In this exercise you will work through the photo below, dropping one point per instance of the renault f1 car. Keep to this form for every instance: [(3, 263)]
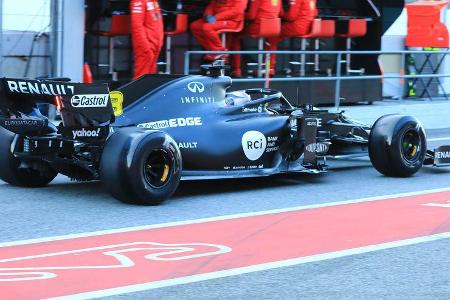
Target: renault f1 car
[(143, 138)]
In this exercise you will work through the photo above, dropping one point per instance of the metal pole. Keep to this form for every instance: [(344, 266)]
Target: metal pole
[(260, 56), (168, 54), (303, 58), (268, 66), (111, 55), (337, 97), (186, 62), (57, 37), (402, 72)]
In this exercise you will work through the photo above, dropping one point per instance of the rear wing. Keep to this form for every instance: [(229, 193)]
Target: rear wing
[(82, 106)]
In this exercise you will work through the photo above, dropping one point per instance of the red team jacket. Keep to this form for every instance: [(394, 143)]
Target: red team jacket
[(300, 10), (225, 10), (263, 9), (147, 35)]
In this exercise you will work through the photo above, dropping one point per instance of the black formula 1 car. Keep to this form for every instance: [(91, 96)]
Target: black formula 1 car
[(142, 138)]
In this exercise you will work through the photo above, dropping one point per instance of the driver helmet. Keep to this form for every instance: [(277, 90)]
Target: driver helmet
[(237, 98)]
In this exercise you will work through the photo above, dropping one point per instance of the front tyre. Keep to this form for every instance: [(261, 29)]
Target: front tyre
[(397, 145), (140, 166), (14, 172)]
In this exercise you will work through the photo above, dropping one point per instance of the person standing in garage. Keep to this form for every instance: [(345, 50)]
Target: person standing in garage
[(257, 10), (218, 15), (147, 34), (297, 21)]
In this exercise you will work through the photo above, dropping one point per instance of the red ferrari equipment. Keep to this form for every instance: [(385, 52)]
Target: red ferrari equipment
[(218, 15), (425, 28), (147, 33)]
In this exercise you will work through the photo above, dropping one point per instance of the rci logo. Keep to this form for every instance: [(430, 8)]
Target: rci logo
[(254, 144), (196, 87)]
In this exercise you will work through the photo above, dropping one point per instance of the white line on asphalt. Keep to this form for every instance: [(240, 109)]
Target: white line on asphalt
[(439, 139), (255, 268), (218, 218)]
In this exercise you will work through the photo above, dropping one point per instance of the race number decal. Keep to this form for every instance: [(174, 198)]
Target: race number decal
[(117, 102)]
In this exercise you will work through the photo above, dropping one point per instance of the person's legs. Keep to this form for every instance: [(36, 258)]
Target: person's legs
[(197, 31), (207, 35), (235, 44), (272, 45), (156, 46), (211, 33), (141, 62)]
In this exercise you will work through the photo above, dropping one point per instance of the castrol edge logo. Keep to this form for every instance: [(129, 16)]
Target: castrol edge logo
[(83, 101)]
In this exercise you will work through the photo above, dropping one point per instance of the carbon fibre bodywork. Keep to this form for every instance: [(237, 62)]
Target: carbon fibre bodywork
[(217, 139)]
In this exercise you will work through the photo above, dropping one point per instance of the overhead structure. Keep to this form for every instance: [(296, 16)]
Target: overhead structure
[(68, 38)]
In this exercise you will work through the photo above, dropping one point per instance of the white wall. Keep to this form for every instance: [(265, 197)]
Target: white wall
[(26, 15)]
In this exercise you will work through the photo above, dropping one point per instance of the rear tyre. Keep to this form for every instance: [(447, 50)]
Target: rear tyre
[(397, 145), (11, 170), (140, 166)]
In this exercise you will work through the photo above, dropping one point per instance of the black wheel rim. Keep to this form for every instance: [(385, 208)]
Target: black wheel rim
[(411, 146), (157, 168)]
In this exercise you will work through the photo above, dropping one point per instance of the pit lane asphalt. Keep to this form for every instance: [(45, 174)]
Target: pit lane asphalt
[(412, 272)]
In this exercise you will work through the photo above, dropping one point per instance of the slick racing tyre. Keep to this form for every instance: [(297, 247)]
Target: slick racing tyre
[(15, 173), (140, 166), (397, 145)]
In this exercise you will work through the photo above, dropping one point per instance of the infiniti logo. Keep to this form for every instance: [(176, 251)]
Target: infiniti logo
[(196, 87)]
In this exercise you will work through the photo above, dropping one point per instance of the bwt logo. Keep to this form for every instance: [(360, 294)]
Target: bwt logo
[(196, 87), (254, 144)]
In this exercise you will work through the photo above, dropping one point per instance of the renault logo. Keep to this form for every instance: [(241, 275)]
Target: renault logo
[(196, 87)]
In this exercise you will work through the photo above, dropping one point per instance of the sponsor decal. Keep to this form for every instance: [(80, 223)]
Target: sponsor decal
[(254, 144), (317, 122), (317, 148), (39, 88), (117, 102), (196, 87), (272, 144), (85, 101), (86, 133), (442, 155), (239, 168), (22, 122), (254, 109), (136, 7), (172, 123), (227, 168), (197, 100), (150, 6), (187, 145)]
